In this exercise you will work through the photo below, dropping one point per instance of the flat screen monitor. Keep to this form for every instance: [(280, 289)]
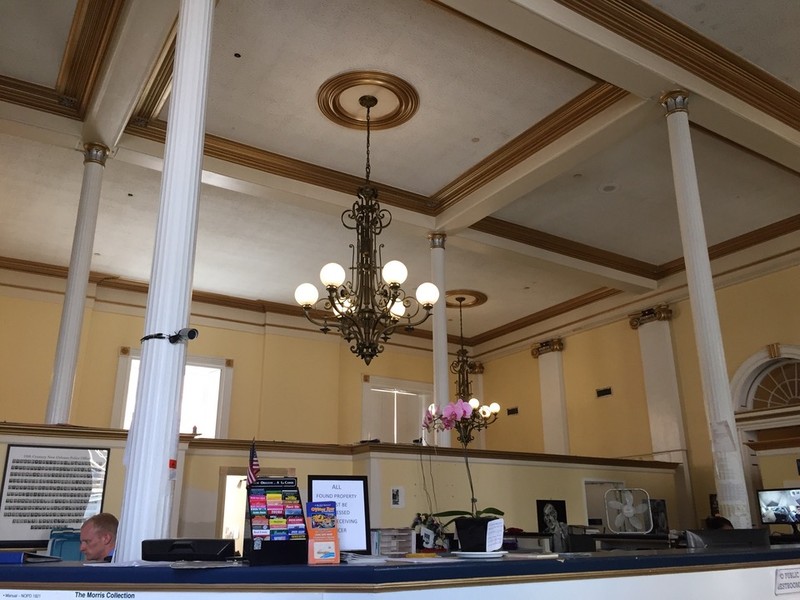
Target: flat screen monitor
[(174, 550), (727, 538), (779, 505)]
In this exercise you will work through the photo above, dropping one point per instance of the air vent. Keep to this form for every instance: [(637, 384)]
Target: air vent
[(606, 391), (512, 411)]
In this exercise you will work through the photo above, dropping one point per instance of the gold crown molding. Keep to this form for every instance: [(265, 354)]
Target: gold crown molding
[(552, 243), (115, 282), (668, 38), (37, 97), (547, 346), (660, 312), (92, 27), (93, 24), (261, 160), (330, 93), (741, 242), (542, 315), (580, 109), (159, 85)]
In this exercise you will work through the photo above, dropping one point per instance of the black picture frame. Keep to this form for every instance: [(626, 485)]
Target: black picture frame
[(56, 487), (560, 507), (658, 509), (351, 494)]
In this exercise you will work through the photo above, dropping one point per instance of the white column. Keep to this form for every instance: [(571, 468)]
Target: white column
[(441, 367), (728, 468), (69, 333), (555, 425), (663, 400), (151, 453)]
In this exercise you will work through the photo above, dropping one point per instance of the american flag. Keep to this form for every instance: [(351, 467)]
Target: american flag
[(253, 468)]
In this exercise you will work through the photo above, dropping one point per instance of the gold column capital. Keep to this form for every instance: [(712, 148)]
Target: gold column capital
[(659, 312), (475, 367), (675, 101), (437, 239), (554, 345), (96, 153)]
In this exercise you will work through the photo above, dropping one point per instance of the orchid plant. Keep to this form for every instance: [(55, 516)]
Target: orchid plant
[(465, 418)]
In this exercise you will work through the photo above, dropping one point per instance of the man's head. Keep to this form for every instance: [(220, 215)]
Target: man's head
[(99, 536)]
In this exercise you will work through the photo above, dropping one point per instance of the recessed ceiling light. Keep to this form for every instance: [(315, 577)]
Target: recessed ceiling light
[(607, 188)]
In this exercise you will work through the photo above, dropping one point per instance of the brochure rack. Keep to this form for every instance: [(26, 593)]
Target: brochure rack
[(277, 524)]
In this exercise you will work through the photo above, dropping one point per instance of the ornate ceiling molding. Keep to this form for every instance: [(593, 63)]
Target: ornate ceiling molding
[(568, 117), (648, 27), (89, 37), (338, 97)]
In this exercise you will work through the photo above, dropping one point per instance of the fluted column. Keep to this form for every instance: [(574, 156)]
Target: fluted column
[(69, 333), (441, 367), (663, 398), (151, 452), (728, 468), (555, 425)]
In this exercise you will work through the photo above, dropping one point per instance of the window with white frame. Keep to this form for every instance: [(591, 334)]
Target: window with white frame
[(392, 409), (206, 394)]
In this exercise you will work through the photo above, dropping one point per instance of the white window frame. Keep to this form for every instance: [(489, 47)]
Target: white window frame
[(422, 390), (225, 366)]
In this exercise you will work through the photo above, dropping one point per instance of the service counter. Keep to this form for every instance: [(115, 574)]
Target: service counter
[(747, 574)]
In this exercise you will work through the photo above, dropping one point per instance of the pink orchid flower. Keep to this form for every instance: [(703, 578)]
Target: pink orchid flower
[(457, 410)]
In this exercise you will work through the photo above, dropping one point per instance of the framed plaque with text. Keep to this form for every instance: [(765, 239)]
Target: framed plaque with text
[(49, 487)]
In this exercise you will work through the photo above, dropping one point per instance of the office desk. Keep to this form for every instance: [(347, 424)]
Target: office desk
[(746, 574)]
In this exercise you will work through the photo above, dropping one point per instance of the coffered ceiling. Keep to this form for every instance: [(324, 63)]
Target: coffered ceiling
[(537, 142)]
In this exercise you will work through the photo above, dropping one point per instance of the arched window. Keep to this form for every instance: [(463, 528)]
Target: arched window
[(776, 385)]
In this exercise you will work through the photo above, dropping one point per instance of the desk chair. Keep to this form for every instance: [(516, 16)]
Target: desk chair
[(66, 544)]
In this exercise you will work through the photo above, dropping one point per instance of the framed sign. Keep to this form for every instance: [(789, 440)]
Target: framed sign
[(352, 508), (48, 487)]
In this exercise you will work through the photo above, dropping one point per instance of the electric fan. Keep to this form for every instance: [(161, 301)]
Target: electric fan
[(628, 511)]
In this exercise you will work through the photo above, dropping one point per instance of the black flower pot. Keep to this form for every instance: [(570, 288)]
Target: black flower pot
[(471, 532)]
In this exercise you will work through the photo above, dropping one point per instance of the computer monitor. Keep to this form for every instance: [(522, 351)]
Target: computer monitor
[(727, 538), (174, 550), (779, 506)]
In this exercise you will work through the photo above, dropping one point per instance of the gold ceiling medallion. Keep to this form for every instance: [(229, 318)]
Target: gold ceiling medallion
[(338, 99), (469, 298)]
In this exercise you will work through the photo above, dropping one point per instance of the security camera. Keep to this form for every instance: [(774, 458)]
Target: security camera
[(183, 335)]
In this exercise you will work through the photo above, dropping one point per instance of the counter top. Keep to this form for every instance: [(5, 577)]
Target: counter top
[(513, 567)]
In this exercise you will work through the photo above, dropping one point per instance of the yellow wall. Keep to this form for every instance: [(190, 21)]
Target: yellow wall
[(615, 425), (273, 396), (28, 334), (513, 381)]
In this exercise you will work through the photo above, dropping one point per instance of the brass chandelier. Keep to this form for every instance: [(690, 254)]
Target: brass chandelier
[(483, 415), (368, 308)]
